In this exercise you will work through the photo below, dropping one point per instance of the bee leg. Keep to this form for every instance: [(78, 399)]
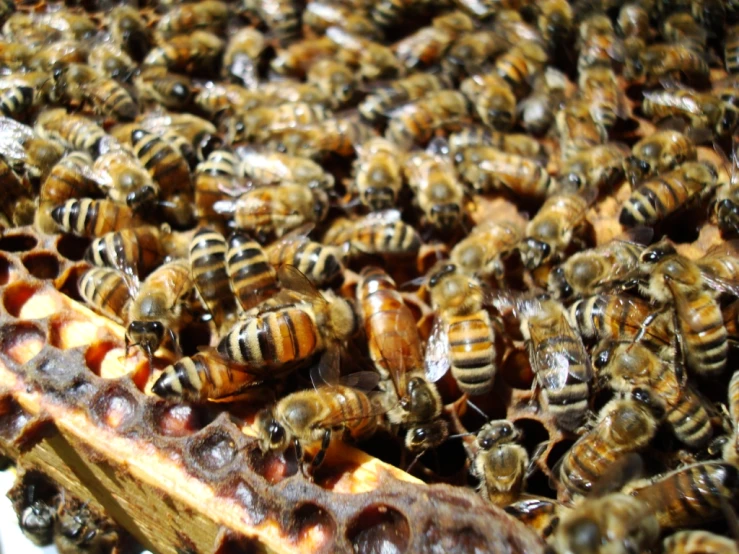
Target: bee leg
[(299, 456), (680, 354), (318, 460), (647, 322)]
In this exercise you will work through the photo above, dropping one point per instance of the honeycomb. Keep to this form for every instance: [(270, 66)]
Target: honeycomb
[(71, 410)]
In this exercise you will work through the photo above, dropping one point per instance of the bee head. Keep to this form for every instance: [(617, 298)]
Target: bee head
[(272, 435), (421, 438), (558, 284), (534, 252), (146, 334)]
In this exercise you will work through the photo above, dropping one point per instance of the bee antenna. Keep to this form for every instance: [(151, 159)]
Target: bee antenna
[(415, 460), (478, 410), (460, 436)]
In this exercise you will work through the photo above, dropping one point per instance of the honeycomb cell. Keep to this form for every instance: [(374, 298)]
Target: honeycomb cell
[(176, 420), (72, 247), (7, 270), (67, 282), (96, 353), (17, 243), (115, 407), (272, 466), (21, 341), (17, 295), (66, 331), (13, 418), (557, 451), (534, 433), (213, 453), (254, 503), (238, 545), (379, 529), (42, 265), (313, 526)]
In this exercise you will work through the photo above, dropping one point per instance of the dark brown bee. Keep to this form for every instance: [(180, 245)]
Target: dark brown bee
[(129, 31), (416, 122), (657, 153), (209, 274), (253, 278), (135, 251), (319, 263), (167, 89), (15, 101), (93, 218), (383, 233)]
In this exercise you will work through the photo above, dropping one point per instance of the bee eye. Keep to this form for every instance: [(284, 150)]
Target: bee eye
[(644, 166), (276, 433), (486, 443), (601, 360)]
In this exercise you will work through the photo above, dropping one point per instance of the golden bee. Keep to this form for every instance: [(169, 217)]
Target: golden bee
[(731, 49), (107, 291), (125, 180), (701, 110), (209, 274), (214, 178), (253, 278), (512, 143), (520, 64), (426, 46), (439, 194), (577, 129), (136, 251), (335, 136), (488, 169), (482, 252), (296, 59), (242, 57), (559, 361), (600, 89), (415, 123), (659, 61), (598, 45), (92, 218), (681, 27), (492, 99), (280, 16), (698, 542), (470, 52), (596, 168), (624, 425), (395, 348), (129, 31), (71, 177), (73, 26), (725, 208), (463, 337), (28, 154), (264, 121), (657, 153), (378, 174), (500, 463), (74, 131), (319, 263), (540, 514), (372, 60), (319, 16), (208, 15), (110, 60), (383, 233), (335, 79), (275, 167), (170, 90), (633, 21), (380, 102), (195, 52)]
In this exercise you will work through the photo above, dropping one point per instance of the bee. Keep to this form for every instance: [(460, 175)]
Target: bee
[(382, 101), (242, 56), (481, 253), (426, 46), (470, 52), (559, 360), (378, 174), (537, 111), (37, 522), (26, 153), (275, 209), (416, 122), (335, 136), (73, 131), (136, 251), (209, 274), (26, 28), (125, 180), (372, 59), (591, 270), (58, 55), (624, 425), (107, 291), (633, 21), (577, 130), (731, 49), (439, 194), (291, 333), (205, 376), (172, 91), (702, 110), (320, 264), (488, 170), (555, 22), (213, 179), (191, 127), (552, 229), (382, 233), (657, 199), (598, 45), (281, 17), (492, 99), (165, 164), (659, 61), (658, 153), (92, 218), (596, 168), (18, 203), (319, 16), (520, 64), (633, 365), (262, 122), (196, 52), (600, 89), (698, 542), (296, 59), (77, 82), (731, 448), (294, 91), (682, 27), (335, 79), (725, 208), (14, 56), (540, 514), (253, 278), (275, 168), (111, 61), (690, 495), (208, 15), (511, 143), (673, 279), (615, 523), (129, 31), (16, 101), (462, 337), (501, 464), (73, 26), (70, 178), (396, 351), (76, 530)]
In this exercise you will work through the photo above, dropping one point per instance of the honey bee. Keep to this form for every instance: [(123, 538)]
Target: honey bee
[(281, 17), (624, 425), (731, 49), (615, 523), (209, 274), (462, 337), (555, 22), (242, 56), (71, 25), (129, 31), (77, 530), (591, 270), (426, 46), (416, 122), (559, 360), (335, 136), (260, 123), (165, 164), (172, 91), (537, 111), (208, 15), (71, 177), (18, 204), (92, 218), (657, 153), (275, 167), (439, 194), (488, 170), (382, 233), (633, 365), (481, 253), (135, 252), (725, 208), (204, 377), (511, 143), (703, 111), (335, 79), (73, 131), (191, 127), (77, 82), (596, 168), (621, 318), (253, 278), (294, 91), (107, 291), (290, 333), (552, 229), (275, 209), (577, 129), (319, 16), (26, 28), (37, 522), (111, 61), (396, 351), (378, 174), (58, 55), (659, 61), (681, 27), (16, 101), (501, 464), (656, 199), (633, 21), (320, 264), (379, 103), (296, 59), (698, 542), (212, 177), (599, 88), (598, 45), (690, 495), (540, 514), (28, 154), (195, 52), (125, 180), (731, 448), (372, 59), (520, 64), (492, 99)]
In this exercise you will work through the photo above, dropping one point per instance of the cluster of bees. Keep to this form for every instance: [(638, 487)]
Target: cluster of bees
[(280, 148)]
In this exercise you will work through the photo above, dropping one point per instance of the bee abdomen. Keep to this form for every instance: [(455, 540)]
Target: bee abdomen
[(472, 353), (689, 420), (106, 290)]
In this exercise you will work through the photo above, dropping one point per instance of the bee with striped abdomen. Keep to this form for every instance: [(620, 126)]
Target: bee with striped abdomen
[(253, 278), (657, 153), (209, 274)]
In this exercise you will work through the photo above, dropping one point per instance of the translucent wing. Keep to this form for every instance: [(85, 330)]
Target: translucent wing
[(390, 347), (12, 137), (290, 277), (328, 370), (437, 361), (378, 218)]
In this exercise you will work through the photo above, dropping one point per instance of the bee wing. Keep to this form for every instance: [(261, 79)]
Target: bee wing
[(296, 235), (375, 218), (728, 286), (436, 360), (343, 38), (12, 137), (553, 367), (640, 235), (361, 380), (626, 469), (328, 370), (290, 277), (390, 346)]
